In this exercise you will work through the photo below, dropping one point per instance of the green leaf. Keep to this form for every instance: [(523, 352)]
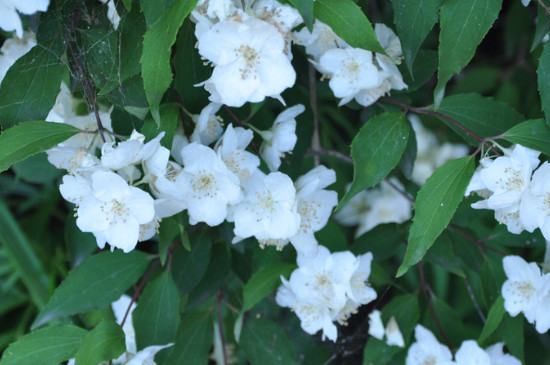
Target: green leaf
[(194, 339), (153, 9), (434, 207), (442, 254), (543, 23), (192, 265), (414, 19), (265, 343), (30, 138), (103, 343), (50, 345), (464, 24), (157, 317), (496, 313), (94, 284), (378, 352), (169, 119), (36, 169), (511, 331), (155, 59), (22, 256), (30, 87), (543, 78), (376, 150), (265, 281), (305, 8), (349, 22), (533, 134), (485, 117)]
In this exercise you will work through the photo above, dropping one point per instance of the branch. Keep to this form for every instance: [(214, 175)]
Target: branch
[(88, 88), (479, 243), (474, 300), (424, 111), (543, 5), (219, 299), (324, 152), (315, 142)]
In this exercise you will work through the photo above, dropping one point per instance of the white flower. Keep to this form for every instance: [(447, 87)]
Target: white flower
[(281, 137), (520, 289), (376, 327), (10, 20), (351, 70), (283, 16), (426, 349), (74, 160), (208, 126), (268, 210), (210, 186), (12, 49), (542, 316), (109, 208), (130, 152), (535, 204), (64, 111), (370, 208), (112, 14), (231, 149), (249, 60), (498, 357), (393, 334), (319, 41), (525, 2), (313, 318), (359, 290), (470, 353)]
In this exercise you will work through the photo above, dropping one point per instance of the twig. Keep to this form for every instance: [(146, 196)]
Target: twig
[(396, 188), (183, 116), (543, 5), (425, 111), (478, 243), (474, 300), (315, 141), (88, 89), (219, 299), (324, 152), (425, 290)]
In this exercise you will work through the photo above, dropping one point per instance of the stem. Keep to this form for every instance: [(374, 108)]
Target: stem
[(219, 299), (474, 300), (426, 289), (324, 152), (479, 243), (425, 111), (88, 88), (543, 5), (315, 140), (183, 114)]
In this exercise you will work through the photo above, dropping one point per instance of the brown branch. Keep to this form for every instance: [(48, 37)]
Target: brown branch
[(479, 243), (315, 140), (408, 108), (543, 5), (426, 290), (88, 88), (324, 152)]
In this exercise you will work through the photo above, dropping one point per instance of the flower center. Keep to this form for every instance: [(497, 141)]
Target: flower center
[(266, 201), (514, 181), (251, 58)]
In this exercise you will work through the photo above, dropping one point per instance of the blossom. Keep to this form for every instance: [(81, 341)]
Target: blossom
[(281, 137), (208, 126), (10, 20), (351, 70), (520, 289), (112, 14), (376, 327), (231, 149), (394, 337), (534, 209), (109, 208), (209, 185), (249, 60), (319, 41), (12, 49), (498, 357), (268, 209), (370, 208), (426, 349), (130, 152)]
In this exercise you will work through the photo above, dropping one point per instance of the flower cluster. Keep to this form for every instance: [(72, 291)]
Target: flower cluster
[(427, 350), (526, 290), (327, 288), (354, 72), (369, 208), (10, 20), (510, 188)]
